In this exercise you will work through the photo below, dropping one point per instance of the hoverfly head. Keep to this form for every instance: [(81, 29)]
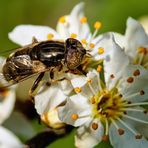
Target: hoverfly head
[(75, 53)]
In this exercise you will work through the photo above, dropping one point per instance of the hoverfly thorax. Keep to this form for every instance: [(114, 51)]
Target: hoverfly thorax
[(75, 53)]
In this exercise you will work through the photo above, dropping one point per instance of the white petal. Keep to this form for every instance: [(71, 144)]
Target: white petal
[(119, 39), (107, 42), (23, 34), (115, 61), (125, 140), (63, 30), (8, 139), (79, 81), (66, 87), (139, 84), (140, 127), (75, 105), (87, 137), (101, 41), (52, 120), (73, 24), (74, 17), (48, 98), (144, 22), (93, 76), (135, 37), (87, 90), (7, 105)]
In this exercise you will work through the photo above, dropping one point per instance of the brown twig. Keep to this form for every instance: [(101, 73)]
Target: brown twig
[(45, 138)]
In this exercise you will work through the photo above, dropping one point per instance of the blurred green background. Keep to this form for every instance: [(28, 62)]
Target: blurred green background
[(112, 13)]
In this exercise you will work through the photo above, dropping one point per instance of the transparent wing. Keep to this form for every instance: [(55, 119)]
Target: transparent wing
[(19, 69), (23, 62), (4, 83)]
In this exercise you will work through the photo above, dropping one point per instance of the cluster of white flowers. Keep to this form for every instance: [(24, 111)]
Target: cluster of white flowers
[(106, 103)]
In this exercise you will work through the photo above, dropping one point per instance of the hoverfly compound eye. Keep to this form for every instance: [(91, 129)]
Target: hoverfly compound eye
[(70, 42), (73, 43), (74, 53)]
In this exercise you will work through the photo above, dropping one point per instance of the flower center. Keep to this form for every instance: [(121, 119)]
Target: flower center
[(108, 105), (142, 57)]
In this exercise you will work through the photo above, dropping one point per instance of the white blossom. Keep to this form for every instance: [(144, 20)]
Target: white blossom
[(134, 42), (109, 109)]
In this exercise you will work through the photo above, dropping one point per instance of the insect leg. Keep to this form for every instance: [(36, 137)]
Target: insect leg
[(62, 79), (51, 74), (77, 71), (35, 85), (79, 68)]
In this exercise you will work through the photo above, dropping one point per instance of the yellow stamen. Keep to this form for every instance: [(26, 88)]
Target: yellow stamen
[(84, 41), (44, 117), (83, 20), (97, 25), (73, 35), (77, 89), (3, 92), (93, 100), (100, 50), (95, 126), (105, 138), (89, 80), (120, 131), (138, 136), (136, 72), (99, 68), (130, 79), (142, 92), (62, 19), (50, 36), (145, 111), (74, 116), (91, 45), (142, 50), (112, 76)]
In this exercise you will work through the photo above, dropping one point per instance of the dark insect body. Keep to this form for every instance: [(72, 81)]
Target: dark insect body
[(39, 57)]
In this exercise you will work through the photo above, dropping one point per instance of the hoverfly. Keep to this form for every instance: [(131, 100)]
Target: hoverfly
[(40, 57)]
